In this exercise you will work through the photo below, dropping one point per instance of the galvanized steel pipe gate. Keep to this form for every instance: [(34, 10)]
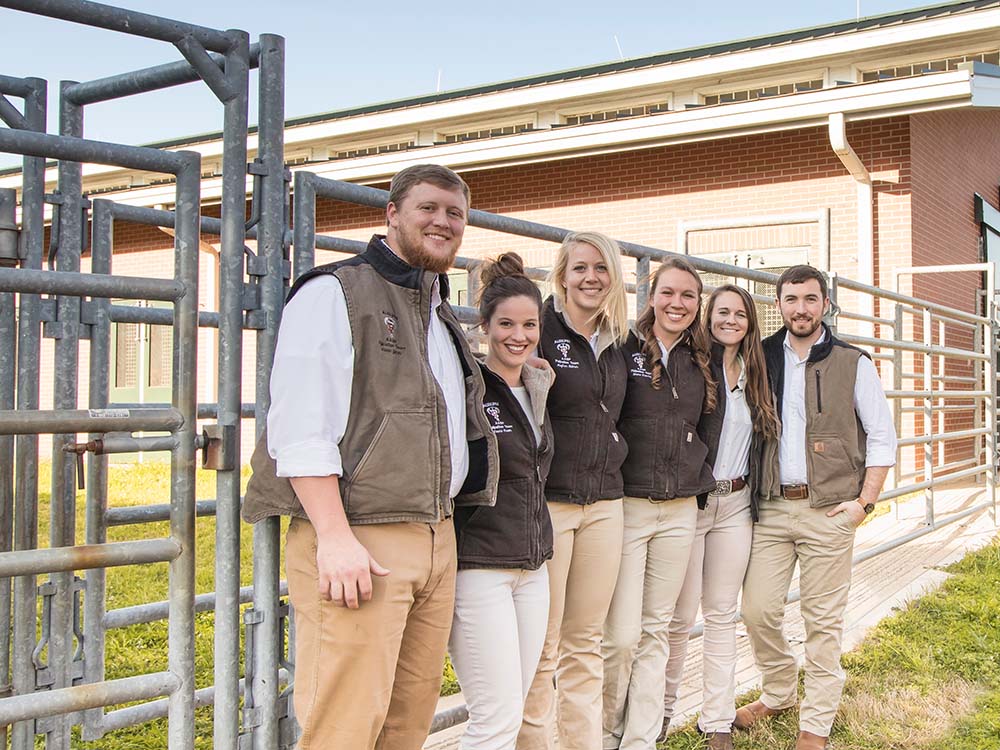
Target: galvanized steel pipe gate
[(57, 680)]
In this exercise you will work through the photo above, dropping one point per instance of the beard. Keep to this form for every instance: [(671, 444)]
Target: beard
[(803, 328), (420, 258), (411, 249)]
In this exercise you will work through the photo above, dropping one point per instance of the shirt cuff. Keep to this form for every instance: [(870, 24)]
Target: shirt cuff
[(313, 459), (880, 458)]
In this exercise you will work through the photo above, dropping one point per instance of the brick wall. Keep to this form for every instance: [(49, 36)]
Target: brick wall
[(645, 196)]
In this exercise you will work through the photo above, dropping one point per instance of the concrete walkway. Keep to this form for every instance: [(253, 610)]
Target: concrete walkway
[(881, 585)]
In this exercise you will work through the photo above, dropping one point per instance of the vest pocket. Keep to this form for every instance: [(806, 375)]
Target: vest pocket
[(691, 457), (832, 471), (395, 476), (570, 436), (499, 533), (640, 435)]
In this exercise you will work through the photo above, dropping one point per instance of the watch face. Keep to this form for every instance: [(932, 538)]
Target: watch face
[(869, 507)]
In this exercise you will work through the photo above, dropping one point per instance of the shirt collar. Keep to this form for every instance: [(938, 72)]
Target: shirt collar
[(817, 342)]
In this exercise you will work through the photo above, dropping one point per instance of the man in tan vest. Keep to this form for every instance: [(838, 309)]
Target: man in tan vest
[(818, 482), (376, 432)]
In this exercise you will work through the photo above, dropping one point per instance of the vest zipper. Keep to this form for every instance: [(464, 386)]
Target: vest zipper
[(819, 394)]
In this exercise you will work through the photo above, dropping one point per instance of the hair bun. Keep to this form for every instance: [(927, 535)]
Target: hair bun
[(508, 264)]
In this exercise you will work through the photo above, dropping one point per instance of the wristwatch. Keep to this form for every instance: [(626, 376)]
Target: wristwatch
[(869, 507)]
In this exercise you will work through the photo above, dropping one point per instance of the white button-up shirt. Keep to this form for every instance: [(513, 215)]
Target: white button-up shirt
[(869, 404), (313, 375), (732, 460)]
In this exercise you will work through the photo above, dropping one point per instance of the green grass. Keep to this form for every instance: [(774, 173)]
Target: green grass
[(143, 648), (926, 678)]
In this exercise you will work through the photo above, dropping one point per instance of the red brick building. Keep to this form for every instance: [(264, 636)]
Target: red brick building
[(856, 147)]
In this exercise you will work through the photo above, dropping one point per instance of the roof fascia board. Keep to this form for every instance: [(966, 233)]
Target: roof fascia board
[(559, 94), (962, 87)]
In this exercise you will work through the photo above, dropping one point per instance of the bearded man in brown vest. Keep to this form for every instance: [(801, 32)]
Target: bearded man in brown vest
[(818, 482), (376, 432)]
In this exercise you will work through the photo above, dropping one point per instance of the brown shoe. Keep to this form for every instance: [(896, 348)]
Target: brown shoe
[(662, 736), (720, 741), (751, 713), (810, 741)]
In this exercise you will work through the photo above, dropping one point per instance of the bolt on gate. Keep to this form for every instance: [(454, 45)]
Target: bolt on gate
[(56, 680)]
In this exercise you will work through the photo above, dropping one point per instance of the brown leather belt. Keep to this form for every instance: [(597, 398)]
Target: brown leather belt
[(728, 486), (795, 491)]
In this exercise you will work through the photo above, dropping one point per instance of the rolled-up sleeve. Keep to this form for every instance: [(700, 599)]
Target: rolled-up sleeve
[(873, 411), (311, 382)]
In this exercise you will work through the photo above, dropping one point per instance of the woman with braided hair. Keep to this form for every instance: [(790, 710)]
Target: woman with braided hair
[(669, 387)]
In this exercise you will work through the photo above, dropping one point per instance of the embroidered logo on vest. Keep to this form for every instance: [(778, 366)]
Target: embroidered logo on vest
[(388, 343), (564, 361), (499, 427), (640, 371)]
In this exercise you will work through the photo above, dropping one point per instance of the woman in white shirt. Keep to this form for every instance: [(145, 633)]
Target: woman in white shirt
[(743, 417)]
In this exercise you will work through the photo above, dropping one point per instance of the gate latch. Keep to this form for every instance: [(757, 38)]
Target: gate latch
[(218, 447)]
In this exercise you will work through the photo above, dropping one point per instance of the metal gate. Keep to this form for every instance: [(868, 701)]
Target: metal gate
[(52, 660)]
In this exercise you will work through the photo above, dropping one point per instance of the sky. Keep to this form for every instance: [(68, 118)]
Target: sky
[(343, 54)]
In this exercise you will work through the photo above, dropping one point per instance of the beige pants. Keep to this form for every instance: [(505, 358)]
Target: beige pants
[(789, 531), (655, 551), (370, 677), (582, 574), (713, 581)]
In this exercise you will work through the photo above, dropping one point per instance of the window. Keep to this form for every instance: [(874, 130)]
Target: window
[(141, 361), (930, 66), (383, 148), (475, 135), (639, 110), (778, 89), (772, 261)]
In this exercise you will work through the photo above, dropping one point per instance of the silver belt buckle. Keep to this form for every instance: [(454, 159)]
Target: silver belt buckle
[(722, 487)]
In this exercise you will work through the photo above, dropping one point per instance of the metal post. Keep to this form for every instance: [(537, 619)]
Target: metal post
[(262, 688), (897, 404), (66, 388), (182, 469), (8, 369), (230, 382), (990, 342), (26, 446), (928, 334), (97, 467), (304, 243), (641, 285)]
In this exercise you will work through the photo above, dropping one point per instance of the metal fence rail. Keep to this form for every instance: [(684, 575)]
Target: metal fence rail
[(940, 361)]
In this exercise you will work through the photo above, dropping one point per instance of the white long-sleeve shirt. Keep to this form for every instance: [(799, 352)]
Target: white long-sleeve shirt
[(313, 375), (869, 404)]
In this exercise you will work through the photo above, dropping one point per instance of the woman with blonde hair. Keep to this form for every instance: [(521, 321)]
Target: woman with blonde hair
[(584, 324), (669, 389), (734, 433)]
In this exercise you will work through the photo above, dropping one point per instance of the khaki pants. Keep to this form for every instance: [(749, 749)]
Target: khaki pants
[(789, 531), (655, 551), (713, 582), (582, 574), (370, 677)]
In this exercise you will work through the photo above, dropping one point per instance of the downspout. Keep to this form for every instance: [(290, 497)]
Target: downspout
[(866, 216)]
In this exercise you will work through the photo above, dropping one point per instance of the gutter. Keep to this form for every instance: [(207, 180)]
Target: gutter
[(866, 215)]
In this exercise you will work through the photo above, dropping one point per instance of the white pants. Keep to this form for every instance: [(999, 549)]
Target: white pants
[(714, 577), (496, 640), (655, 551)]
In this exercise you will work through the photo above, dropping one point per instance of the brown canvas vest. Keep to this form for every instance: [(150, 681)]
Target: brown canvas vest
[(835, 439), (395, 451)]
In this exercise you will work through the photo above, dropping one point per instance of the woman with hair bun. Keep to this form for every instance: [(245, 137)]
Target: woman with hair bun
[(585, 324), (502, 586), (670, 386)]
